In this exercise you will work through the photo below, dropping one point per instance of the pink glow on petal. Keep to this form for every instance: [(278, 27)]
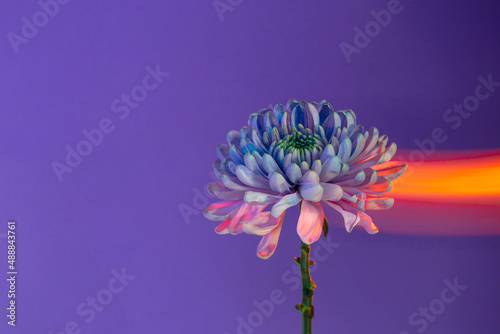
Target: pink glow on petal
[(261, 224), (365, 221), (269, 242), (310, 224), (219, 205), (235, 221), (222, 228)]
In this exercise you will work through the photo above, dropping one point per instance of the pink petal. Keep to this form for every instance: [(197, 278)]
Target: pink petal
[(366, 222), (245, 212), (261, 224), (379, 187), (222, 210), (234, 226), (269, 242), (222, 228), (390, 170), (310, 224), (382, 203)]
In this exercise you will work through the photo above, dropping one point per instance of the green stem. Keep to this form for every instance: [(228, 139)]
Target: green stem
[(308, 286)]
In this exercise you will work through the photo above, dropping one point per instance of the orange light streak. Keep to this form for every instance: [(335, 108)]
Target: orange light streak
[(459, 177)]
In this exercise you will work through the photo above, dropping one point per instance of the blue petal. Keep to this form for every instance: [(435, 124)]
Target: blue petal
[(235, 155), (256, 139), (312, 119), (291, 104), (233, 138), (270, 164), (257, 122), (358, 147), (298, 116), (285, 124), (222, 151), (278, 111), (324, 111), (270, 122), (252, 164)]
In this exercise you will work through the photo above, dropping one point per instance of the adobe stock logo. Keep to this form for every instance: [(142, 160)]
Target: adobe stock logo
[(222, 6), (29, 29), (122, 107), (89, 309), (372, 29), (429, 313)]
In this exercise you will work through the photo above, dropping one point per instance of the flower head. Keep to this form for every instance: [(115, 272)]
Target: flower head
[(300, 153)]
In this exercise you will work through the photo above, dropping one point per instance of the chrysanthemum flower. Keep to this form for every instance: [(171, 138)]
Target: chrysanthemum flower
[(300, 153)]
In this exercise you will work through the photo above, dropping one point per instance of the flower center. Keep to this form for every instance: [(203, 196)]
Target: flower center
[(298, 140), (302, 147)]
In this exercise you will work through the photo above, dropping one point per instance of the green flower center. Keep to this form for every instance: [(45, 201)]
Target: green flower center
[(298, 140)]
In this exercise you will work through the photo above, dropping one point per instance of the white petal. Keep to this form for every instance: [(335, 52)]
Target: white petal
[(251, 163), (278, 183), (316, 166), (331, 169), (359, 146), (311, 191), (246, 176), (293, 172), (310, 176), (284, 203), (345, 149), (328, 152), (270, 164), (219, 190), (351, 218), (233, 183), (331, 192), (390, 170), (304, 167), (254, 197)]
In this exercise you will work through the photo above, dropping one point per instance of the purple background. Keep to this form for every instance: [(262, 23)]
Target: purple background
[(120, 206)]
